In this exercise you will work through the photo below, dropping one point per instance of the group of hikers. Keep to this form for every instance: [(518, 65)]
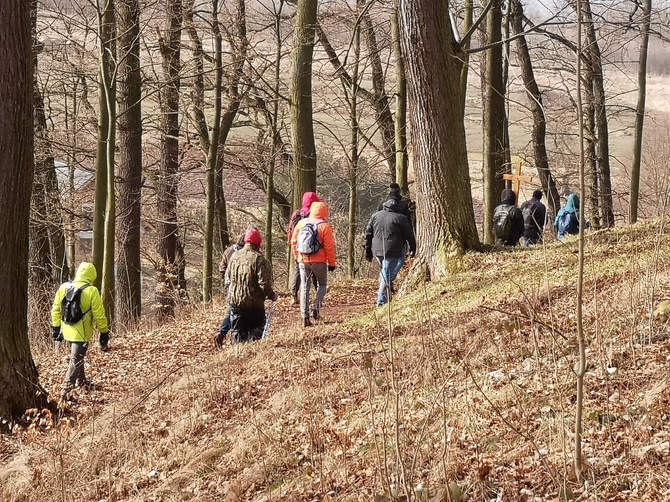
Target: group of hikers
[(511, 223), (247, 274)]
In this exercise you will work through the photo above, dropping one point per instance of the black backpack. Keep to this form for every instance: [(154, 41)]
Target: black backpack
[(529, 222), (502, 222), (70, 305)]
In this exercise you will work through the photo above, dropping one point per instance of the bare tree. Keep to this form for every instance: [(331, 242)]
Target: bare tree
[(128, 288), (302, 125), (166, 185), (18, 374), (645, 25), (539, 131)]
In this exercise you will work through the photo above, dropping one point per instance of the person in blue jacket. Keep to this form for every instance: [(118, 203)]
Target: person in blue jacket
[(567, 219)]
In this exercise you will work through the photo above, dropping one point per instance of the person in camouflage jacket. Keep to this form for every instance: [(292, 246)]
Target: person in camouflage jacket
[(249, 278)]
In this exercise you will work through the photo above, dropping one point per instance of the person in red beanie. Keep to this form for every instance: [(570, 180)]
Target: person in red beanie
[(249, 279), (308, 199)]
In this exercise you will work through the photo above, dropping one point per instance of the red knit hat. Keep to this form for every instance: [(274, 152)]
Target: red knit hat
[(253, 237)]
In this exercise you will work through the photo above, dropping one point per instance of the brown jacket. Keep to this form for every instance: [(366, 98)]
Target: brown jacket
[(225, 260), (250, 277)]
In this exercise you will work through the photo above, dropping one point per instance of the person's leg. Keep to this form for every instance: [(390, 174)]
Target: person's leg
[(76, 369), (384, 280), (305, 278), (295, 285), (396, 267), (255, 322), (320, 272)]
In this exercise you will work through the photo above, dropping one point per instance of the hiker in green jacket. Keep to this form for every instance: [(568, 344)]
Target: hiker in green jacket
[(83, 306)]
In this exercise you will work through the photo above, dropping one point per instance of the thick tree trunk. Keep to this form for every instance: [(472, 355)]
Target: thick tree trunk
[(446, 222), (539, 120), (300, 98), (639, 111), (493, 118), (129, 285), (166, 184), (18, 374)]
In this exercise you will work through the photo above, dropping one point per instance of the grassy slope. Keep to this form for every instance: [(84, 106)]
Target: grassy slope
[(478, 394)]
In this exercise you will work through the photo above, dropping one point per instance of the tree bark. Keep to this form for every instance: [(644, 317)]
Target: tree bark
[(129, 286), (446, 222), (166, 184), (18, 374), (300, 97)]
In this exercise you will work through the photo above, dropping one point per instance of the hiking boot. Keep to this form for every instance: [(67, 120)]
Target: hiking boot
[(306, 323), (315, 315)]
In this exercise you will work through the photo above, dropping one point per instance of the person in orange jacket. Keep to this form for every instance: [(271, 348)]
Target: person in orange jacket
[(313, 246)]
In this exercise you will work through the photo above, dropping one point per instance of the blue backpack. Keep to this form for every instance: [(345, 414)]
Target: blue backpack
[(568, 224)]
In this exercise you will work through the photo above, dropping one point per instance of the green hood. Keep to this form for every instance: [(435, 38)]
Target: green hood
[(86, 273)]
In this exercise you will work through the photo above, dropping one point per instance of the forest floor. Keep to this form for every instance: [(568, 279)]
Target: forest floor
[(461, 390)]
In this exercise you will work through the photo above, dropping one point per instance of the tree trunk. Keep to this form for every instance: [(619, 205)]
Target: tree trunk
[(401, 159), (446, 222), (468, 10), (18, 374), (108, 91), (639, 111), (600, 117), (208, 244), (129, 286), (300, 98), (381, 104), (166, 184), (106, 33), (353, 155), (539, 120), (493, 118)]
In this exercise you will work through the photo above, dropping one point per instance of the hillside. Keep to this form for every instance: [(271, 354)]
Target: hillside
[(476, 401)]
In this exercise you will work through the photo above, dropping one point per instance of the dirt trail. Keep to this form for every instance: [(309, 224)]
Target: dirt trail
[(138, 362)]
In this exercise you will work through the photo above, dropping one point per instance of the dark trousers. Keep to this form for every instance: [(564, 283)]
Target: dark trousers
[(247, 324), (295, 284), (76, 370), (225, 325)]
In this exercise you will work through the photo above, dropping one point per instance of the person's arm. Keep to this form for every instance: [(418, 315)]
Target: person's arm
[(328, 240), (369, 233), (264, 277), (294, 238), (56, 315), (408, 232), (97, 309)]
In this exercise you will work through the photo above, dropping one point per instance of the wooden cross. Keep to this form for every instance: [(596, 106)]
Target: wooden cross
[(516, 178)]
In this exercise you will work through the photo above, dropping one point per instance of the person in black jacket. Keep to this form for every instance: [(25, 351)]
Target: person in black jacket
[(386, 237), (396, 195), (534, 219), (508, 220)]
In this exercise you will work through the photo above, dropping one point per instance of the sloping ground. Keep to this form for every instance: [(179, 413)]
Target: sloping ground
[(476, 401)]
